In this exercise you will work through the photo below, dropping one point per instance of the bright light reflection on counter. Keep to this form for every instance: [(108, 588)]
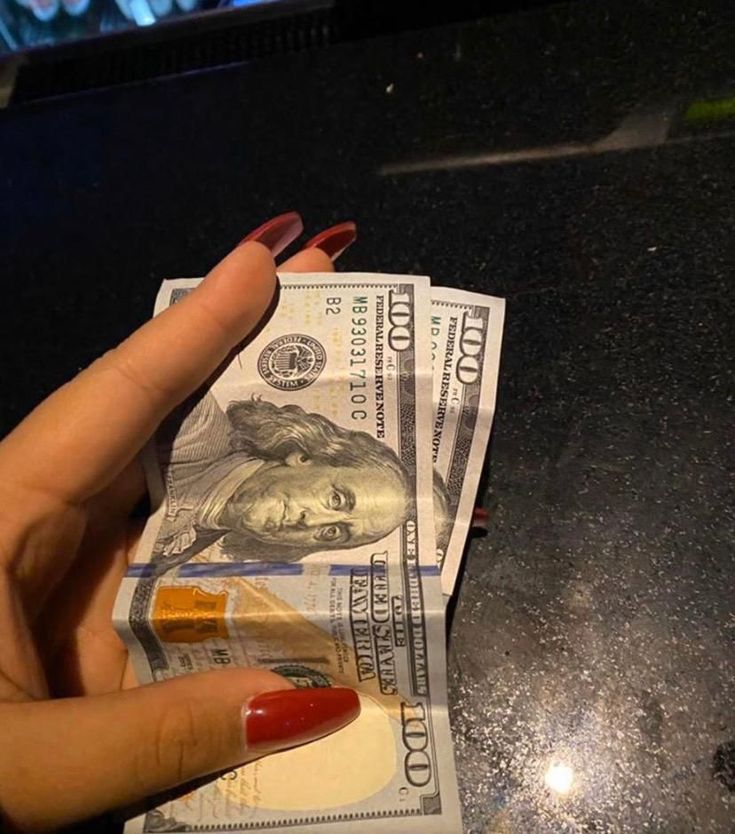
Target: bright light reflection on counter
[(559, 778)]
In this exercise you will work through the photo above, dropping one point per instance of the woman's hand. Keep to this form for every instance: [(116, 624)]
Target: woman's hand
[(77, 735)]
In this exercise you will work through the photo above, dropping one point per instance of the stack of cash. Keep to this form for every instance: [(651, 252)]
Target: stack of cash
[(310, 511)]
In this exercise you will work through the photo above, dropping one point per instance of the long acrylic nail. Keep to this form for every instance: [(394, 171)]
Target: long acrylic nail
[(284, 718), (335, 239), (277, 233)]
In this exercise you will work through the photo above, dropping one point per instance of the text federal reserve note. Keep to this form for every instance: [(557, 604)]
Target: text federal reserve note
[(466, 334)]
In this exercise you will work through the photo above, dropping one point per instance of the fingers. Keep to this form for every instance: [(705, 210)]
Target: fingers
[(77, 441), (308, 260), (334, 240), (82, 436), (278, 233), (319, 253), (154, 738), (82, 652)]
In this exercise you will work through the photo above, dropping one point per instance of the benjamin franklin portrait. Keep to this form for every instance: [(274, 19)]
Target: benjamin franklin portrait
[(272, 483)]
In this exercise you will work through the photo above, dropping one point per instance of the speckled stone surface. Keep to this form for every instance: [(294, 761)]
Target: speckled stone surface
[(594, 624)]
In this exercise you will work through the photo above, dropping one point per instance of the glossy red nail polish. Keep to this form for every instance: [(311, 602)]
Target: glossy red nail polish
[(480, 519), (277, 233), (335, 239), (287, 717)]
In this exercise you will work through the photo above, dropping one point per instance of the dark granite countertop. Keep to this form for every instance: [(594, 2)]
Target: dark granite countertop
[(594, 625)]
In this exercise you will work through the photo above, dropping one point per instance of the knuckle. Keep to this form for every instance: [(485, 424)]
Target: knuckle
[(209, 317), (119, 363), (312, 260), (177, 751)]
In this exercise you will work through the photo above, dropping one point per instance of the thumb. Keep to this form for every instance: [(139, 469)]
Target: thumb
[(64, 760)]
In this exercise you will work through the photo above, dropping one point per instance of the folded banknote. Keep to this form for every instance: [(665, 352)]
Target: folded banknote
[(305, 505)]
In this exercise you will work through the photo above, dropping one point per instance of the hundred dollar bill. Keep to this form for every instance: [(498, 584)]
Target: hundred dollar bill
[(466, 334), (293, 530)]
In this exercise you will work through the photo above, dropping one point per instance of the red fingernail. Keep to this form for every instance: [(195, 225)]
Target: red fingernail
[(335, 239), (287, 717), (480, 518), (277, 233)]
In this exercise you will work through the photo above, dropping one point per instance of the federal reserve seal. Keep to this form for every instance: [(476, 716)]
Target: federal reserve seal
[(291, 362), (302, 677)]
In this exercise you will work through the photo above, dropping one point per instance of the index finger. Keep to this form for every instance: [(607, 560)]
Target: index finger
[(83, 435)]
